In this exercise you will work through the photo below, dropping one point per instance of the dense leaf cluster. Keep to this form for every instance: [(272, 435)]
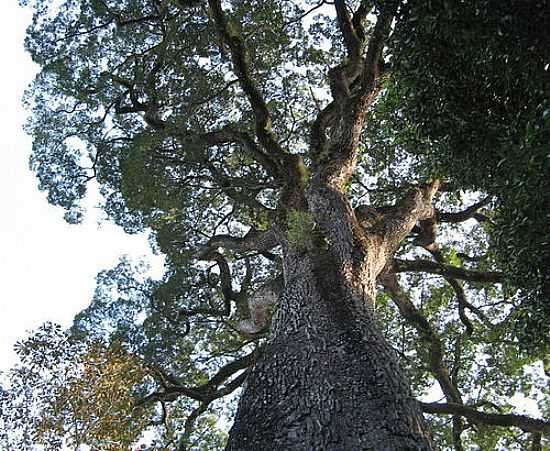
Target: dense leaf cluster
[(471, 89)]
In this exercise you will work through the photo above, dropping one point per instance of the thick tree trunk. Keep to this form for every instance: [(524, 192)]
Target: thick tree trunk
[(327, 379)]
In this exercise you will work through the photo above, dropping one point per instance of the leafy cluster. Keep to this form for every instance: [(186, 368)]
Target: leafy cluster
[(470, 97), (69, 392)]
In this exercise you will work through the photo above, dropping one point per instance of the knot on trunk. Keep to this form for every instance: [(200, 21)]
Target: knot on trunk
[(260, 305)]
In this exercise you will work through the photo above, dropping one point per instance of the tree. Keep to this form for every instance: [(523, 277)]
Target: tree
[(258, 141)]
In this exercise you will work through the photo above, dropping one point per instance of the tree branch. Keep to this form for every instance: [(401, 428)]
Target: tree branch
[(413, 316), (335, 165), (204, 393), (523, 422), (445, 270), (189, 424), (359, 17), (351, 40), (427, 239), (400, 220), (229, 134), (464, 215), (239, 57), (254, 240)]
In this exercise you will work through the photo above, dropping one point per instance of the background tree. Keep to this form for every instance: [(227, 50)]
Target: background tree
[(312, 249)]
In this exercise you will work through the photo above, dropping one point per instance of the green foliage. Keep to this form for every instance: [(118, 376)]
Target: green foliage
[(69, 392), (300, 229), (470, 98)]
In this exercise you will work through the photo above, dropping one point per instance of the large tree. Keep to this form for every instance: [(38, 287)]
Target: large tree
[(296, 165)]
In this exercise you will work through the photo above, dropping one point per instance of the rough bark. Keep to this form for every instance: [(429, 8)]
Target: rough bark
[(327, 379)]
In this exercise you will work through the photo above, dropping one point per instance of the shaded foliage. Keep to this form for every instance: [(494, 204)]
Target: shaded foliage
[(470, 91)]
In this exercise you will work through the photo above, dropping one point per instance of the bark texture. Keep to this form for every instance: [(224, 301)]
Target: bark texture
[(327, 379)]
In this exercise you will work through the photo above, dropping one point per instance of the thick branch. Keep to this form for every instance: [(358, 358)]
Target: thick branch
[(239, 57), (351, 39), (336, 165), (228, 370), (464, 215), (441, 269), (318, 135), (399, 221), (360, 16), (226, 281), (523, 422), (254, 240)]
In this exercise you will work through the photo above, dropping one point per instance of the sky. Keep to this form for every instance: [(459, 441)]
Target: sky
[(47, 267)]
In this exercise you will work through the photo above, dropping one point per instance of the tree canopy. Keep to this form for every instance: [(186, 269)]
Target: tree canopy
[(212, 125)]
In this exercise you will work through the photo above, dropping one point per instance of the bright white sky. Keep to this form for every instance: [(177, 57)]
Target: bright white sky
[(47, 267)]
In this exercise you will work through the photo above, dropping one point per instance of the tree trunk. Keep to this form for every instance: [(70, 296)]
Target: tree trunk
[(327, 379)]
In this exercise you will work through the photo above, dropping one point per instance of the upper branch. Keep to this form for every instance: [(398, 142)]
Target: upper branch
[(335, 161), (359, 17), (228, 134), (414, 207), (254, 240), (351, 39), (239, 57), (468, 213)]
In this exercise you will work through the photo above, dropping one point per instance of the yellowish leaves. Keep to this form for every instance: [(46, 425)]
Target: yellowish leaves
[(97, 404)]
